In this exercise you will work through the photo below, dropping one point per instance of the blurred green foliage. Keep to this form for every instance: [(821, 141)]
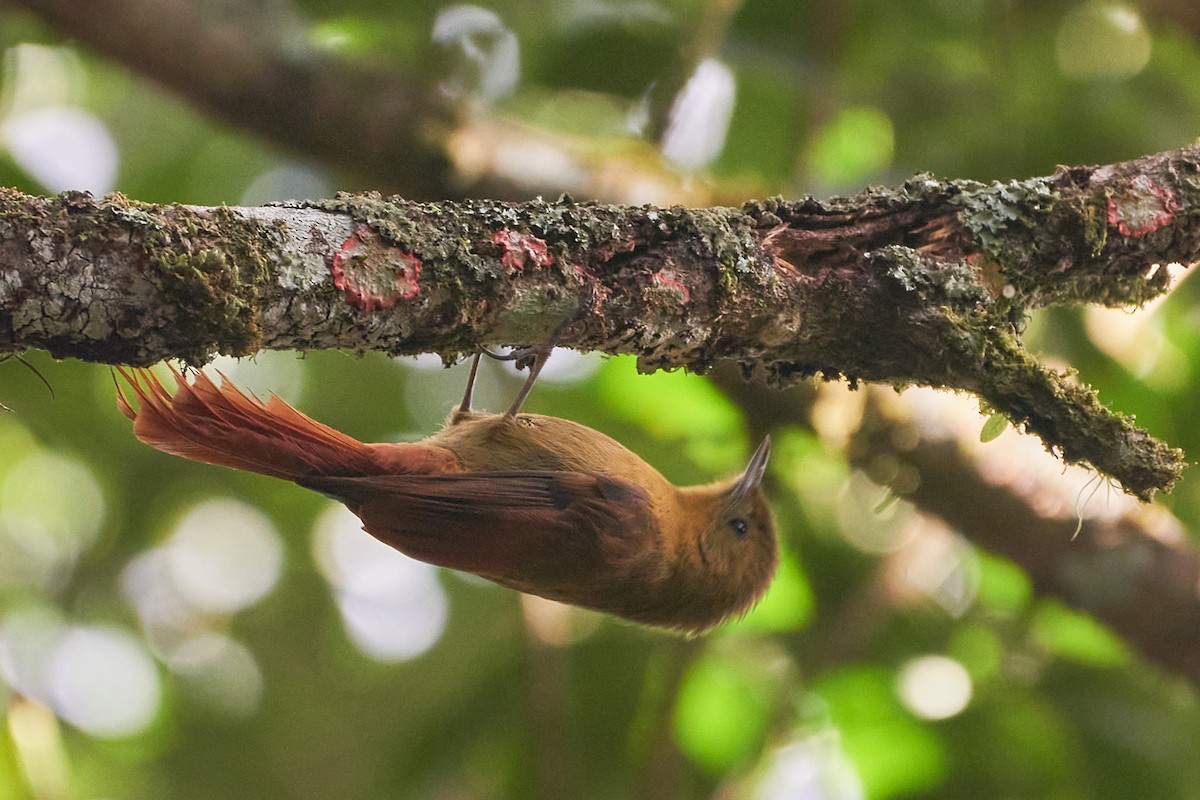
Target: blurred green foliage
[(513, 699)]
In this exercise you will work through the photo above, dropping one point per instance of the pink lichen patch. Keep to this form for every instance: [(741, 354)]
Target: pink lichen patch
[(520, 249), (1142, 207), (667, 282), (373, 274)]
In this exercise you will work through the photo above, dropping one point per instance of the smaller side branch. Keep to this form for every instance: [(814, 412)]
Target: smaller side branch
[(1070, 419)]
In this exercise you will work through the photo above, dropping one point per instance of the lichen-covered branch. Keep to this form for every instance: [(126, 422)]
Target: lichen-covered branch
[(927, 284)]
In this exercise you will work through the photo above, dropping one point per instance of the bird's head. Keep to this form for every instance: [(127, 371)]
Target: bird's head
[(733, 544)]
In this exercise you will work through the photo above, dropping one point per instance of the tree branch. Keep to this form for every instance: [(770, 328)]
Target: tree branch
[(927, 284), (375, 121)]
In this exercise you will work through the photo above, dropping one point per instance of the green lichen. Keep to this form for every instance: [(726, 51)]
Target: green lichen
[(1068, 416), (992, 209), (1005, 219), (15, 213), (1095, 226), (952, 282), (533, 311), (731, 239), (209, 266)]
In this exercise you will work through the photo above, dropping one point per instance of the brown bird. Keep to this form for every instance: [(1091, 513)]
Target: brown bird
[(539, 504)]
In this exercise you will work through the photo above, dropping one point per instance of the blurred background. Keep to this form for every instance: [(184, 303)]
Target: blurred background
[(172, 630)]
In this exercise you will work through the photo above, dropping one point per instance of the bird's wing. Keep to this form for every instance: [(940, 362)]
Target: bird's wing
[(530, 530)]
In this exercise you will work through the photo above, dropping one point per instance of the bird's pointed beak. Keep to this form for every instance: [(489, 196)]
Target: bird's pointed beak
[(751, 477)]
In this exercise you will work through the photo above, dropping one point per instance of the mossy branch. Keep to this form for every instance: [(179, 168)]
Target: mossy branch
[(925, 284)]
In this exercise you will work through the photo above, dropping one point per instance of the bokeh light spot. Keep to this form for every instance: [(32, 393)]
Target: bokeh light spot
[(224, 555), (565, 366), (558, 624), (720, 715), (36, 76), (857, 143), (812, 768), (1078, 636), (270, 372), (894, 754), (700, 117), (286, 182), (28, 637), (103, 682), (787, 605), (62, 147), (934, 687), (1102, 40), (161, 609), (51, 510), (487, 51), (219, 672), (431, 390), (393, 607)]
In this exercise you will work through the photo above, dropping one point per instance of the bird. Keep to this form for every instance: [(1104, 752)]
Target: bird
[(536, 503)]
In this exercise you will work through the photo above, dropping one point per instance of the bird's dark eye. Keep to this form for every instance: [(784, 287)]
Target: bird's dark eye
[(739, 527)]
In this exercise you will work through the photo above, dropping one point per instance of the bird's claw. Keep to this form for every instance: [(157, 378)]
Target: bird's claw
[(523, 357)]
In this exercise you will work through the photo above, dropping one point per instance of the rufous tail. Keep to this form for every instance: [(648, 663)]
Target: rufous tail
[(222, 425)]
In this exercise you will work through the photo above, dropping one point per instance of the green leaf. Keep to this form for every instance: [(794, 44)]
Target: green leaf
[(996, 424), (677, 407)]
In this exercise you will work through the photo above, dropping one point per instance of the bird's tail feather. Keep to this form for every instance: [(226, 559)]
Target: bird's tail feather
[(222, 425)]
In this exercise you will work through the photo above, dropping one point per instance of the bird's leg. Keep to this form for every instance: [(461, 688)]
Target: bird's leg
[(540, 356), (465, 406), (535, 358)]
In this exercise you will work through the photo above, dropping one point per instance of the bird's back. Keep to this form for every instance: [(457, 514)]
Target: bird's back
[(532, 441)]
